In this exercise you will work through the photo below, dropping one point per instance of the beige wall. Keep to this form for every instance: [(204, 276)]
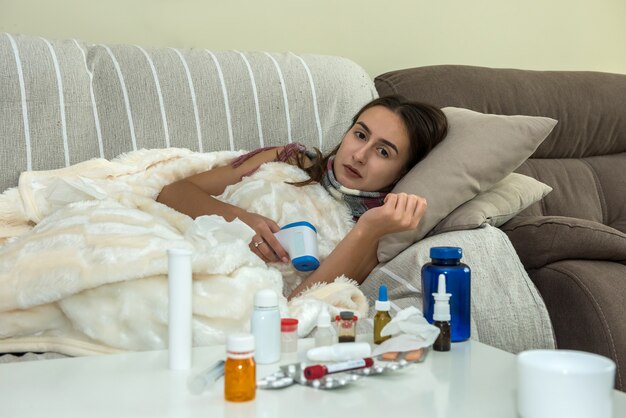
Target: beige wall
[(380, 35)]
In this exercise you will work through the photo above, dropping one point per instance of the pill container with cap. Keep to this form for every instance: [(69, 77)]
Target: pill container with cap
[(240, 368), (346, 326), (289, 335)]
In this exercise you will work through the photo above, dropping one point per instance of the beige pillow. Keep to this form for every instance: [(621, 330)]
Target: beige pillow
[(480, 150), (495, 206)]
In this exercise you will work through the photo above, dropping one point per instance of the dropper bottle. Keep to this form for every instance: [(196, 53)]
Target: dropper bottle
[(441, 315), (324, 334), (382, 316)]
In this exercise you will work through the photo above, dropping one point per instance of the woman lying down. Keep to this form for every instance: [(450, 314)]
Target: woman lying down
[(84, 269), (387, 138)]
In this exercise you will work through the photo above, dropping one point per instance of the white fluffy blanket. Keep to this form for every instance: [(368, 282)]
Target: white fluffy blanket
[(83, 265)]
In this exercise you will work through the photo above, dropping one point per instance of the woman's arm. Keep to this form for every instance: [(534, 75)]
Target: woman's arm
[(193, 196), (355, 256)]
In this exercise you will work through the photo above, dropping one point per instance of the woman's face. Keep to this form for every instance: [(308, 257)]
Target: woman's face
[(374, 152)]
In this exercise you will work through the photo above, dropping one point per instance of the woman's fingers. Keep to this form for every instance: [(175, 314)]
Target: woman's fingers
[(267, 253), (265, 244), (407, 209), (278, 253)]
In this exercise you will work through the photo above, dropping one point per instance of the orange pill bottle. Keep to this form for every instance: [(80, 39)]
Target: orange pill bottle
[(240, 368)]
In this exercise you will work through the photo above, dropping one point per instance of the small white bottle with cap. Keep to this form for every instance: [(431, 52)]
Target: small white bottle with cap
[(325, 333), (265, 326), (441, 315)]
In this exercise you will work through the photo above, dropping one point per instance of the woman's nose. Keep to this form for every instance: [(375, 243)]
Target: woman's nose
[(360, 155)]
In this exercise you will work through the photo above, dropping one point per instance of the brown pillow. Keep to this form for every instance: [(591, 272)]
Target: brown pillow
[(480, 150), (495, 206)]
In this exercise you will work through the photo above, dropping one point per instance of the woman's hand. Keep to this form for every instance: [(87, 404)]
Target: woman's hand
[(264, 243), (400, 212)]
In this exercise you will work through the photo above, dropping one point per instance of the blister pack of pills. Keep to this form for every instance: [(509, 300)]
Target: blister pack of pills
[(293, 373), (391, 362), (413, 356), (385, 363)]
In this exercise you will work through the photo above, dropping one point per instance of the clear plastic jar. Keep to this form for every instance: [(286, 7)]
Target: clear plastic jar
[(240, 368), (288, 335)]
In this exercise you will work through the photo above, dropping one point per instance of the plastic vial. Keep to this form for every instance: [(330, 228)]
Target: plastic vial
[(346, 326), (265, 326), (289, 335), (441, 315), (324, 334), (240, 368), (382, 316), (447, 260)]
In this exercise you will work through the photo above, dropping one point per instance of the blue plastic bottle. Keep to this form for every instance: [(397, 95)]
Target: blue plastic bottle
[(447, 260)]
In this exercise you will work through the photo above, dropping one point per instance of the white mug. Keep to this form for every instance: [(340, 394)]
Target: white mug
[(564, 383)]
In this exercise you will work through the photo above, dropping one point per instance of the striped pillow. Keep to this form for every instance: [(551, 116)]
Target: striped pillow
[(62, 102)]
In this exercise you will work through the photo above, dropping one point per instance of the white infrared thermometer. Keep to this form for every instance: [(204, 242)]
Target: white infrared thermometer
[(299, 239)]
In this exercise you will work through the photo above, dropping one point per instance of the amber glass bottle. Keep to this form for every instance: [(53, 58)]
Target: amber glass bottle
[(381, 319), (382, 316), (240, 368)]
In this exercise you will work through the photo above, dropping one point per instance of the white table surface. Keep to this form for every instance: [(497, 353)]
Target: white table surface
[(472, 380)]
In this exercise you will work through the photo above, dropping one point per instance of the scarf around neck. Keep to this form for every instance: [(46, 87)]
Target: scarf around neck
[(358, 201)]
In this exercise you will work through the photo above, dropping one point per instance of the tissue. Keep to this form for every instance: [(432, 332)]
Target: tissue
[(409, 331)]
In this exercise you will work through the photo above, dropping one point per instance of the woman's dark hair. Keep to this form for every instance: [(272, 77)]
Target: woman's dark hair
[(426, 126)]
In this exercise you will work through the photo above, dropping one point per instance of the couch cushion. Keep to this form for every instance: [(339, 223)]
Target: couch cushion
[(589, 105), (63, 102), (541, 240), (46, 113), (209, 100), (592, 188), (478, 151)]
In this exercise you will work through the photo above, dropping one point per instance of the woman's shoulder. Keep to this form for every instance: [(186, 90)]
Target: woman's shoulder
[(293, 153)]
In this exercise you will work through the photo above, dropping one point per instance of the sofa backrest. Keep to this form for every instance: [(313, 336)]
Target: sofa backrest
[(588, 105), (62, 102), (583, 159)]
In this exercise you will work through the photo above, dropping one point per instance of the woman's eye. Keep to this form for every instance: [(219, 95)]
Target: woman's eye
[(383, 152), (359, 134)]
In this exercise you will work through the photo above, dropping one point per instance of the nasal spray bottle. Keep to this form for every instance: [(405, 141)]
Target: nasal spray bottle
[(382, 316), (299, 239), (441, 315)]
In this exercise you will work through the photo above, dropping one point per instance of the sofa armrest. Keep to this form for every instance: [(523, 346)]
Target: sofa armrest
[(542, 240), (585, 300)]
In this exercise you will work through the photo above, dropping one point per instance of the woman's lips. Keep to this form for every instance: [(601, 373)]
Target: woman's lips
[(351, 171)]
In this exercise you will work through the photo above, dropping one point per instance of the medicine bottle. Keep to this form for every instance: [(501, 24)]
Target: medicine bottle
[(240, 368), (382, 316), (447, 261), (324, 334), (265, 326), (346, 326), (441, 315), (289, 335)]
